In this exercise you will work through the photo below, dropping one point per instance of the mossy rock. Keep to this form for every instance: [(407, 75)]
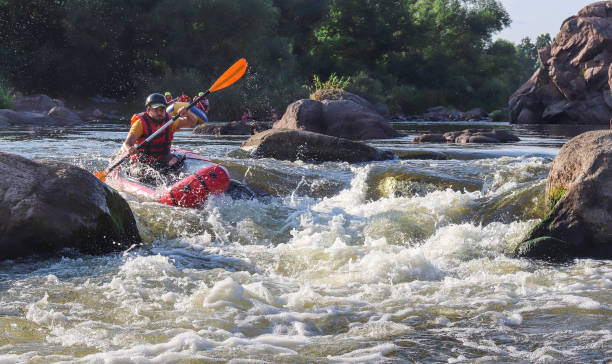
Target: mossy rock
[(546, 248)]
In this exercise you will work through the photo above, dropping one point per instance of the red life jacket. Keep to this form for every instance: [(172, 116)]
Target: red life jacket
[(159, 146), (202, 104)]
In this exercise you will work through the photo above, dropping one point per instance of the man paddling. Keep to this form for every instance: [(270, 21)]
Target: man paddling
[(154, 160)]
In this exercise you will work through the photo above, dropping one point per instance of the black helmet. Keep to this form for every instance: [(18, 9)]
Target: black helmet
[(156, 100)]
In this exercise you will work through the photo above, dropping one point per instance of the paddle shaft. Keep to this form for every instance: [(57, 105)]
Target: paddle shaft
[(152, 136)]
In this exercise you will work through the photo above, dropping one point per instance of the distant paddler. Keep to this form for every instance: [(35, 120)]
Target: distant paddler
[(169, 99), (203, 104)]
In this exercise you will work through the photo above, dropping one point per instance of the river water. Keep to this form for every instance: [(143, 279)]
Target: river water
[(384, 262)]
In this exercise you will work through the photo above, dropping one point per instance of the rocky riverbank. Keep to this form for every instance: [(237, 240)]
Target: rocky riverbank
[(573, 84)]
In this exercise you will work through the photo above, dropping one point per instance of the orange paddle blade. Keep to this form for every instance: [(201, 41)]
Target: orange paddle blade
[(101, 175), (230, 76)]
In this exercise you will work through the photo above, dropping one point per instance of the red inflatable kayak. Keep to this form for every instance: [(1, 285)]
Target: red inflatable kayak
[(202, 178)]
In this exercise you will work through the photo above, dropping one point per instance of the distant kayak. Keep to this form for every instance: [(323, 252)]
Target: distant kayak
[(203, 178)]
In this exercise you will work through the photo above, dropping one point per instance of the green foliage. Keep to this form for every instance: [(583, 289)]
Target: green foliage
[(543, 40), (328, 90), (499, 115), (366, 85), (408, 54), (555, 195), (6, 96), (527, 53)]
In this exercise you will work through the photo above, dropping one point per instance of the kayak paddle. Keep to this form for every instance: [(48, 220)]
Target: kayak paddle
[(230, 76)]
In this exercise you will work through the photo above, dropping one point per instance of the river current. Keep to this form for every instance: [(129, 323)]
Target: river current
[(384, 262)]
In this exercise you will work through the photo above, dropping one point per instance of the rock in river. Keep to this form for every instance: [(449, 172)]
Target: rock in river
[(468, 136), (48, 206), (579, 190), (288, 144), (349, 116), (232, 128)]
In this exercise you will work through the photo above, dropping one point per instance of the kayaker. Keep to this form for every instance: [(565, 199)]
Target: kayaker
[(184, 97), (203, 104), (169, 100), (154, 159)]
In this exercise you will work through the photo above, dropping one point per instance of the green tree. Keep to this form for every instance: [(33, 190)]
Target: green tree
[(543, 40), (106, 48), (410, 54), (31, 31)]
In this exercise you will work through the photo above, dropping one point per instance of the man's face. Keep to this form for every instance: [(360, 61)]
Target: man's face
[(157, 113)]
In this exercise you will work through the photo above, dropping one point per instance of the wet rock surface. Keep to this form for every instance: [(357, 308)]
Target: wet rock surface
[(469, 136), (349, 116), (441, 113), (233, 128), (579, 191), (46, 207), (288, 144)]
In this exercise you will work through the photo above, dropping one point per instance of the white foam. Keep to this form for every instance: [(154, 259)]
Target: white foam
[(42, 313), (12, 359), (584, 303), (224, 293), (372, 354)]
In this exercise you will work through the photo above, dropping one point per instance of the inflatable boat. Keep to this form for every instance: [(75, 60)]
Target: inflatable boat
[(199, 179)]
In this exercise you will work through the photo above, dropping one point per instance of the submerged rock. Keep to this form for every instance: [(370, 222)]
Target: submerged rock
[(48, 206), (349, 116), (419, 154), (572, 86), (232, 128), (441, 113), (579, 190), (287, 144), (468, 136)]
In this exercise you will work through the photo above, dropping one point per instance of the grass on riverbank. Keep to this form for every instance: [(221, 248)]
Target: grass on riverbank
[(7, 98)]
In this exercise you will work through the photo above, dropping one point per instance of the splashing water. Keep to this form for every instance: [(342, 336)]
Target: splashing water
[(419, 273)]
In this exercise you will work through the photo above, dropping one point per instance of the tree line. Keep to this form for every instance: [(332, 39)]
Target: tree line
[(408, 54)]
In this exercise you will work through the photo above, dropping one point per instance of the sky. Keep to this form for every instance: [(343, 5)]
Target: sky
[(531, 18)]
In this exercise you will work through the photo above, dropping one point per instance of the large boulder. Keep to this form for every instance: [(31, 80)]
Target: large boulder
[(349, 116), (35, 103), (38, 110), (573, 84), (49, 206), (57, 116), (579, 190), (290, 144), (305, 114), (64, 114)]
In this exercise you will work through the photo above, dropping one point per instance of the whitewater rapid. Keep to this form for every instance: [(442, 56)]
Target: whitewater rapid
[(373, 267)]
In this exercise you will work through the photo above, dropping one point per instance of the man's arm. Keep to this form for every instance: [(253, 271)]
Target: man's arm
[(129, 143), (186, 120)]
